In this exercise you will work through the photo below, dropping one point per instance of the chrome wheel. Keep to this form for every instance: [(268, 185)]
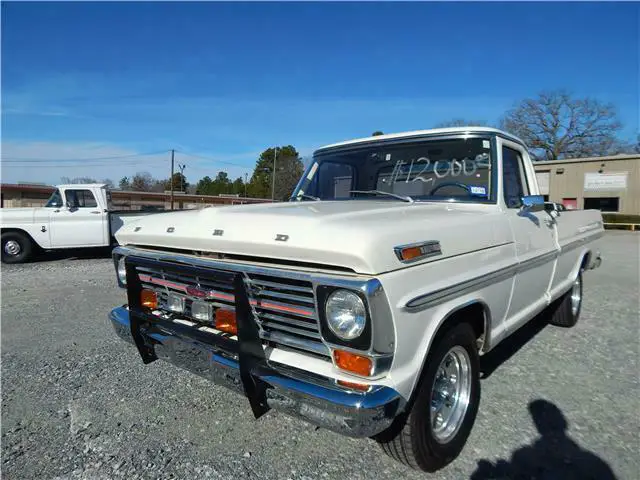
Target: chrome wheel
[(450, 394), (576, 296), (12, 248)]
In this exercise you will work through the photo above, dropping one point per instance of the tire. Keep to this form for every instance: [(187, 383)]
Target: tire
[(412, 439), (566, 310), (16, 247)]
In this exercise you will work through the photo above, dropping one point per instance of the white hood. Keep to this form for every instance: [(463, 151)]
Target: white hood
[(358, 235)]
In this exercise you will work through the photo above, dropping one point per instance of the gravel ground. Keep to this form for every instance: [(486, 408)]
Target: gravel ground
[(78, 403)]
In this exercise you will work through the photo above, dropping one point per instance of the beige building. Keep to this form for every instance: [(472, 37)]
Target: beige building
[(610, 184)]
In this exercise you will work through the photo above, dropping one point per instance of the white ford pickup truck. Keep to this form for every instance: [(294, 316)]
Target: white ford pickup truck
[(76, 215), (363, 304)]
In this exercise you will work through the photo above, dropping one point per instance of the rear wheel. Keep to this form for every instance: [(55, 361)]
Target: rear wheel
[(566, 311), (436, 428), (16, 247)]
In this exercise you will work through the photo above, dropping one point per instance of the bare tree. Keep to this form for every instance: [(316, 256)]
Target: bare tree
[(461, 122), (554, 126), (142, 182), (78, 180)]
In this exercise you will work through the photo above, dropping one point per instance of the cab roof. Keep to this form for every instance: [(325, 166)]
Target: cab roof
[(423, 133), (82, 185)]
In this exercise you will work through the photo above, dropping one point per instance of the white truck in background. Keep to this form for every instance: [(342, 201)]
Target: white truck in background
[(75, 216)]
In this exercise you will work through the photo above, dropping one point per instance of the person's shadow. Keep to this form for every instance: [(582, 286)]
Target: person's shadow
[(554, 456)]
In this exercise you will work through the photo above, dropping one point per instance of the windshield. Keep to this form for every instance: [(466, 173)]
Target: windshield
[(457, 169), (55, 200)]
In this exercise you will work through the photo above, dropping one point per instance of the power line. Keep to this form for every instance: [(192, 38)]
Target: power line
[(212, 159), (43, 160), (69, 165)]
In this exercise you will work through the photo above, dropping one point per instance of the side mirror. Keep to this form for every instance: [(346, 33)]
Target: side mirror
[(533, 203)]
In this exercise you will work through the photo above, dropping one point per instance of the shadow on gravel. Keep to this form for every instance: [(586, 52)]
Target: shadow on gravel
[(73, 254), (552, 456), (511, 345)]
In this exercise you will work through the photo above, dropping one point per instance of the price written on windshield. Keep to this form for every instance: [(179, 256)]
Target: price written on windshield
[(424, 170)]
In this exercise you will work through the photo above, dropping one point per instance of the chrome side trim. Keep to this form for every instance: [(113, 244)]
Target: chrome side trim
[(581, 241), (444, 294), (537, 261), (440, 296), (429, 248)]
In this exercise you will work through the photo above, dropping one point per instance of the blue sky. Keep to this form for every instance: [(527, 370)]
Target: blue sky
[(225, 81)]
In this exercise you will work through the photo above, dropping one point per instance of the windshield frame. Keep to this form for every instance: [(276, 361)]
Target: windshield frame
[(329, 153)]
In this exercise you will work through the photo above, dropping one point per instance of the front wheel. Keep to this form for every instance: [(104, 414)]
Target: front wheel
[(436, 428), (16, 247)]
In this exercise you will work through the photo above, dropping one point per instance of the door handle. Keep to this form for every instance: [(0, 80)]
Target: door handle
[(96, 212)]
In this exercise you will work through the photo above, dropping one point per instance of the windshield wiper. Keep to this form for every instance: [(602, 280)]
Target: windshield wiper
[(389, 194), (307, 196)]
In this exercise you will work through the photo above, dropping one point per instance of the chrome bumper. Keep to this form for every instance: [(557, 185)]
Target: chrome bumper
[(311, 397)]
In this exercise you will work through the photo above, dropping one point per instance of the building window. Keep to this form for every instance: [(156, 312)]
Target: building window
[(604, 204), (546, 198)]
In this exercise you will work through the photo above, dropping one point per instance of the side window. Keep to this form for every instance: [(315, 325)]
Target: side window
[(55, 201), (513, 178), (80, 199)]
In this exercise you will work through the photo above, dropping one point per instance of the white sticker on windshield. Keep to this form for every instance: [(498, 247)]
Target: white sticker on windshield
[(312, 171), (387, 157), (476, 190), (486, 144)]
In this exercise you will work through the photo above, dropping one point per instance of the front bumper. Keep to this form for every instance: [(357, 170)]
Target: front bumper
[(293, 391)]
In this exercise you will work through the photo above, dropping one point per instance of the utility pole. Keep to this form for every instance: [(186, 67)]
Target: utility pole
[(273, 186), (171, 177), (182, 167), (245, 184)]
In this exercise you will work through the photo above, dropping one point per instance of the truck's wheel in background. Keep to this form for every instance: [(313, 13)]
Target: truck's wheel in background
[(16, 247), (566, 310), (435, 430)]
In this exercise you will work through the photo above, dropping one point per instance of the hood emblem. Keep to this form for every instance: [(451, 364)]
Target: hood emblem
[(197, 292), (218, 233), (281, 238), (170, 229), (137, 229)]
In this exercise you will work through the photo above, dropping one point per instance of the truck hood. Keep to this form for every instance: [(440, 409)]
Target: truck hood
[(358, 235)]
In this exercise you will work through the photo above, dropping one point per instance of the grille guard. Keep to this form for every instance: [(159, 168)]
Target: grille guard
[(248, 347)]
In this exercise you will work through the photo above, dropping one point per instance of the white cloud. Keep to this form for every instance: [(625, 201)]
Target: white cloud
[(94, 160)]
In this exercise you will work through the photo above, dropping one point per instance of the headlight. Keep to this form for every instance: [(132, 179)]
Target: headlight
[(346, 315), (122, 272)]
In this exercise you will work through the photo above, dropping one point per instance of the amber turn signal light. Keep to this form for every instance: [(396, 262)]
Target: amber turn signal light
[(353, 363), (148, 299), (410, 253), (354, 386), (226, 321)]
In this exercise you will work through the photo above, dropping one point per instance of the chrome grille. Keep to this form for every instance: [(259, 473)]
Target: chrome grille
[(284, 309)]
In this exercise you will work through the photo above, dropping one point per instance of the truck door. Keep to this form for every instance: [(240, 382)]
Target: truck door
[(80, 222), (534, 234)]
